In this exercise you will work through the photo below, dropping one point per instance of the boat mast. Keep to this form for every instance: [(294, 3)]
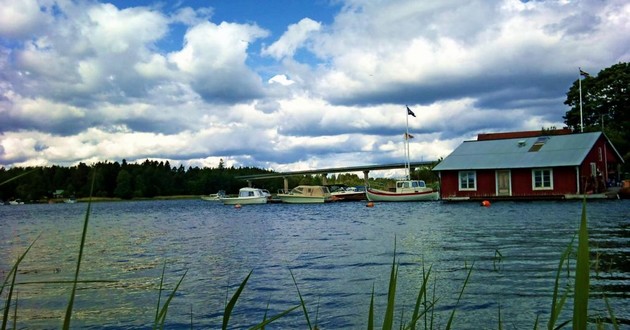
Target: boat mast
[(407, 164)]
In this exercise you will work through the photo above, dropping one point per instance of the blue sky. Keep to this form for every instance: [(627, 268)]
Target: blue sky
[(288, 85)]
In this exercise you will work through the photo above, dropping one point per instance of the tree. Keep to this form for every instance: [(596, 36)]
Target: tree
[(124, 188), (605, 106)]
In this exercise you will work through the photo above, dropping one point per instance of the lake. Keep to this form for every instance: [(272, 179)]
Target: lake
[(338, 253)]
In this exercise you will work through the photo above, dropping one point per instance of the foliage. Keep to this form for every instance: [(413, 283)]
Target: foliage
[(116, 180), (605, 106)]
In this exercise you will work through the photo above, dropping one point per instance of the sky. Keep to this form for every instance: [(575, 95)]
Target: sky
[(288, 84)]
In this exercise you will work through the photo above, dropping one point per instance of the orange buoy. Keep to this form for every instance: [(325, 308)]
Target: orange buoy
[(485, 203), (370, 204), (237, 206)]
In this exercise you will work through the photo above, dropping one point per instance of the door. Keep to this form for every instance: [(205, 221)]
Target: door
[(504, 185)]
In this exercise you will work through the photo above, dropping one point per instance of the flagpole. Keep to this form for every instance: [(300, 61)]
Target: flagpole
[(581, 117)]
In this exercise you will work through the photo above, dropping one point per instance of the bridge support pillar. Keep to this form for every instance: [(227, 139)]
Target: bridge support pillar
[(324, 179), (366, 178), (286, 184)]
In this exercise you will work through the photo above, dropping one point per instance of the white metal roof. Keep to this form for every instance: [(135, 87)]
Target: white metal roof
[(558, 150)]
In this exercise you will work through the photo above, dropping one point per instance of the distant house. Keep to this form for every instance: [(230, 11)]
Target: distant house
[(526, 165)]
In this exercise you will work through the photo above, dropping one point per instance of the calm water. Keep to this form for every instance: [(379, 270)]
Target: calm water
[(337, 252)]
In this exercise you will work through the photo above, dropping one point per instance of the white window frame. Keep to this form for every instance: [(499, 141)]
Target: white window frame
[(467, 174), (541, 172)]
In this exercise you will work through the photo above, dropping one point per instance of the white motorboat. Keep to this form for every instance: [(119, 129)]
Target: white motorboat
[(342, 193), (214, 197), (247, 196), (406, 191), (306, 195)]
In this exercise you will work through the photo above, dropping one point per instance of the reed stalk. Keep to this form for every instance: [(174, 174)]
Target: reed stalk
[(12, 276), (308, 321), (461, 293), (68, 317), (161, 316), (582, 268), (230, 306)]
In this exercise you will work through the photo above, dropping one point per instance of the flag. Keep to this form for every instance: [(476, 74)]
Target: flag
[(408, 136), (584, 74), (409, 112)]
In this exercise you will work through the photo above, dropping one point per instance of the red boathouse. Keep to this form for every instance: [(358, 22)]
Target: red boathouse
[(529, 165)]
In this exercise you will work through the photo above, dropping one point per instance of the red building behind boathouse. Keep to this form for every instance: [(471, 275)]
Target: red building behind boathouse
[(529, 165)]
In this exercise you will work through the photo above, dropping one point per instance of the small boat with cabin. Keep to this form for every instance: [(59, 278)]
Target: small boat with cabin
[(343, 193), (306, 195), (406, 191), (214, 197), (247, 196)]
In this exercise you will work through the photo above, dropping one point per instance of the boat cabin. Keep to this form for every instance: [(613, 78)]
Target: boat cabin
[(410, 185), (313, 191)]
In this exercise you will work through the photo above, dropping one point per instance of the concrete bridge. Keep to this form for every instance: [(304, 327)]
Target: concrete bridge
[(325, 171)]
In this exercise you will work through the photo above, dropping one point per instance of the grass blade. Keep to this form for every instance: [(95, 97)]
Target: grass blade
[(422, 299), (388, 320), (613, 319), (12, 275), (164, 311), (7, 307), (67, 318), (557, 305), (582, 269), (17, 263), (308, 321), (230, 306), (273, 318), (156, 321), (500, 321), (18, 176), (370, 325), (450, 319)]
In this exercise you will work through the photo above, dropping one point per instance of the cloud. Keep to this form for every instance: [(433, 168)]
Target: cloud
[(88, 81), (19, 19), (292, 39), (213, 59), (281, 79)]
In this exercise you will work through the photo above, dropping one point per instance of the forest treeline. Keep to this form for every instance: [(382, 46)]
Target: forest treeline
[(139, 180), (123, 180)]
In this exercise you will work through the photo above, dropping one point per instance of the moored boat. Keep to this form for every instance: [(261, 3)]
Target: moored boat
[(406, 191), (306, 195), (214, 197), (343, 193), (247, 196)]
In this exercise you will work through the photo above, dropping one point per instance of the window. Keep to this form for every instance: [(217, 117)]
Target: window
[(467, 180), (542, 179), (540, 142)]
